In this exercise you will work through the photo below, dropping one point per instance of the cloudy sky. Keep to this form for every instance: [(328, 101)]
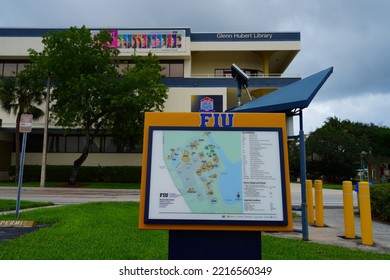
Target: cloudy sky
[(350, 35)]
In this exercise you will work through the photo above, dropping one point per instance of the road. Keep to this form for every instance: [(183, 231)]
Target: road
[(70, 195), (81, 195), (331, 198)]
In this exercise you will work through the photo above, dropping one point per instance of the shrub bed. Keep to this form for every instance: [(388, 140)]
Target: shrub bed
[(380, 201), (61, 173)]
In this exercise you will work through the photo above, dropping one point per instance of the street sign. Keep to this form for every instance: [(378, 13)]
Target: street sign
[(26, 123), (25, 127)]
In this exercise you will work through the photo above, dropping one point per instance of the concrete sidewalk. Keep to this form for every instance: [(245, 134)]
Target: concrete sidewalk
[(333, 232)]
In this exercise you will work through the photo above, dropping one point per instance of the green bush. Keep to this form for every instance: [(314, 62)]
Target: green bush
[(61, 173), (380, 202)]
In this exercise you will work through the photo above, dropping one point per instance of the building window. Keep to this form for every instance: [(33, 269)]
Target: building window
[(170, 68), (176, 70), (76, 143), (10, 68), (228, 72), (222, 73)]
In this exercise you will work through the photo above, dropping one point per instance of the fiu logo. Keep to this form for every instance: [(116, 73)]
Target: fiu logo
[(216, 120), (207, 104)]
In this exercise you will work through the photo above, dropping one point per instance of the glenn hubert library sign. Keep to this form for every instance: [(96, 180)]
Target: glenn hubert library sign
[(215, 181)]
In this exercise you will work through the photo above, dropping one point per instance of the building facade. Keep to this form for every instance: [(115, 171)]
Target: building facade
[(197, 69)]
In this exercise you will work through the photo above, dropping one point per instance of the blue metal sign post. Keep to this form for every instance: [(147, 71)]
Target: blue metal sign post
[(25, 127), (20, 181)]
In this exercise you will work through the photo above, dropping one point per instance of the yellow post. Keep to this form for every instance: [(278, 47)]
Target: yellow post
[(309, 201), (319, 203), (349, 220), (365, 213)]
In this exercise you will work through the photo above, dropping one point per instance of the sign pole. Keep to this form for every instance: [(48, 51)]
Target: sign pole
[(25, 127), (302, 156), (20, 181)]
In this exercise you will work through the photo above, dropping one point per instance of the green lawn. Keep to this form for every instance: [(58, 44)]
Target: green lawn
[(10, 204), (109, 231)]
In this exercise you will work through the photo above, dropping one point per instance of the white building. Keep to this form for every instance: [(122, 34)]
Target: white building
[(197, 66)]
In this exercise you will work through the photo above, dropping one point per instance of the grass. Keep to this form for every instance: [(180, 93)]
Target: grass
[(92, 185), (332, 186), (328, 186), (9, 204), (109, 231)]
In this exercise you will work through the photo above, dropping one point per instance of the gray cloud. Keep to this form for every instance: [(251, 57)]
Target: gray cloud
[(350, 35)]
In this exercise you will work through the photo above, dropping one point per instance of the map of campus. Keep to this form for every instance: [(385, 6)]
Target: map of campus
[(205, 167)]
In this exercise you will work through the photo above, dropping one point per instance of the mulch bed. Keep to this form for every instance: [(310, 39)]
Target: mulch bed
[(8, 233)]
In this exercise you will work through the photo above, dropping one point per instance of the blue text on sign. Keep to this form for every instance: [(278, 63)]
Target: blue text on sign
[(216, 120)]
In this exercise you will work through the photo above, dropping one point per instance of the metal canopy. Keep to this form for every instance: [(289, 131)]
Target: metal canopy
[(297, 95), (294, 97)]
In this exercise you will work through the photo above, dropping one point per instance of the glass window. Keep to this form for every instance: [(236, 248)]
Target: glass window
[(21, 66), (61, 144), (56, 144), (165, 71), (218, 72), (34, 143), (9, 69), (176, 70), (109, 145), (82, 143), (96, 145), (72, 144), (76, 143), (223, 72), (122, 67)]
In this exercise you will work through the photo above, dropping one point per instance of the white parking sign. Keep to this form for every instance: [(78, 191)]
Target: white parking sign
[(25, 123)]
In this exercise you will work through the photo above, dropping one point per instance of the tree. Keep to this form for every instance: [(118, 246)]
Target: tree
[(378, 151), (21, 95), (88, 91), (293, 159), (335, 147), (141, 91)]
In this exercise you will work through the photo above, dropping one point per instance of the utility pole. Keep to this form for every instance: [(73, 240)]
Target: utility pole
[(44, 148)]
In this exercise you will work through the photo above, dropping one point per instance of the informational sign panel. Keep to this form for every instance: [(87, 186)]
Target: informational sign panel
[(25, 123), (215, 171)]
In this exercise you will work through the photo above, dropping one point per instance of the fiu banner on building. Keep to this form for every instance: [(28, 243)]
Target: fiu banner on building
[(147, 40)]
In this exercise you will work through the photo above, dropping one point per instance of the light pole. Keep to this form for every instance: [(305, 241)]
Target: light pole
[(362, 169)]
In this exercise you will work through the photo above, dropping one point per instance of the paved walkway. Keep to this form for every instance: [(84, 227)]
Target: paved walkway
[(332, 233), (334, 230)]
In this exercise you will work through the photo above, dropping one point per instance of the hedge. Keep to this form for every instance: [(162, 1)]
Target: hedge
[(61, 173), (380, 201)]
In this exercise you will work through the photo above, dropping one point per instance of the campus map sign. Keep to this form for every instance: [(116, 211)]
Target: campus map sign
[(212, 172)]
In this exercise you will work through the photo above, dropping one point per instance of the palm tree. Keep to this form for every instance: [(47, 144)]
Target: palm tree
[(21, 95)]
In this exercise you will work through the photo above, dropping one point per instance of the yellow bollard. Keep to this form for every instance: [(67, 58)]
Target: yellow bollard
[(309, 201), (365, 213), (319, 203), (349, 219)]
